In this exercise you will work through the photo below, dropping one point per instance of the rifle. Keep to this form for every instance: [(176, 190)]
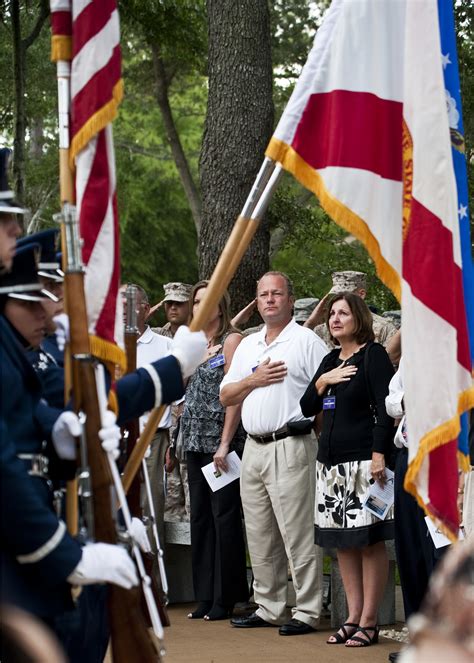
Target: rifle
[(132, 433), (129, 633)]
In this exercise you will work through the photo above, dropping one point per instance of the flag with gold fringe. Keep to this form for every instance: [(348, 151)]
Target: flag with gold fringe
[(366, 129), (87, 33)]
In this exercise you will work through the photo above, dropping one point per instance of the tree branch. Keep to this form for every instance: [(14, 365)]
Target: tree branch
[(35, 33), (184, 171)]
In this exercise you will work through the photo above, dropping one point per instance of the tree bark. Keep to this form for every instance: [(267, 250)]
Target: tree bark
[(238, 126), (20, 115), (162, 97)]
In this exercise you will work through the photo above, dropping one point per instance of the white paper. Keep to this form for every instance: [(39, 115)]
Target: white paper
[(217, 478), (380, 498), (439, 539)]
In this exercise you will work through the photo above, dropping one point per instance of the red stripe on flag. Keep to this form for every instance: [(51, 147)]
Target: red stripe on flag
[(91, 21), (433, 275), (443, 484), (105, 326), (61, 23), (95, 199), (352, 130), (97, 92)]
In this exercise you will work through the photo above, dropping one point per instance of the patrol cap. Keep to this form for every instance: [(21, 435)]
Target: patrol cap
[(49, 265), (177, 292), (304, 307), (8, 204), (348, 282), (22, 281)]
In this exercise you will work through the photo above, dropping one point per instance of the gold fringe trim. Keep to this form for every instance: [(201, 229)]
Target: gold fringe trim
[(108, 352), (436, 438), (113, 402), (342, 215), (61, 47), (97, 122)]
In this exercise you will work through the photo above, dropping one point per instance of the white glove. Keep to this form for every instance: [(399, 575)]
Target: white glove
[(65, 430), (139, 535), (110, 434), (67, 427), (102, 562), (62, 330), (189, 349)]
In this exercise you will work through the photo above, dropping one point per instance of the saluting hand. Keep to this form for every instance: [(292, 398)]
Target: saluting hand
[(269, 372)]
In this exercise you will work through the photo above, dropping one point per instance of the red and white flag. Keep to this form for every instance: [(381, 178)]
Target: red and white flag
[(96, 91), (366, 129)]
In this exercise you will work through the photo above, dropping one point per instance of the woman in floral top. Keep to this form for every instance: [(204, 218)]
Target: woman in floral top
[(356, 435), (210, 432)]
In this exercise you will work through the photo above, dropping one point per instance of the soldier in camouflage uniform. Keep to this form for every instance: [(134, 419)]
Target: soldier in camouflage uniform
[(176, 306)]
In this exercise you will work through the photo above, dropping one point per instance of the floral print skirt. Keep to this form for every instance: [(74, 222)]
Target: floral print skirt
[(340, 521)]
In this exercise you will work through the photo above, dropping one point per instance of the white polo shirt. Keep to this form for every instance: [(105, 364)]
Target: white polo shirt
[(150, 348), (266, 409)]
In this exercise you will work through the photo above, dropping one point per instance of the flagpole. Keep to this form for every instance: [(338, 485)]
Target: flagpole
[(67, 197), (239, 239)]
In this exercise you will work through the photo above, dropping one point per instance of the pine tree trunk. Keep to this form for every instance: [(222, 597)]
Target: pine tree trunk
[(239, 123)]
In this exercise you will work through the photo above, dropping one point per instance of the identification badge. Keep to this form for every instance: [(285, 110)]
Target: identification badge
[(218, 360), (329, 403)]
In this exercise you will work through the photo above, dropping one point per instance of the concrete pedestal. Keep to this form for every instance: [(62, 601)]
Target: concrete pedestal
[(338, 597), (178, 562)]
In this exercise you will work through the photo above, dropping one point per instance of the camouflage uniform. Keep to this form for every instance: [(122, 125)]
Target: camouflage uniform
[(177, 490)]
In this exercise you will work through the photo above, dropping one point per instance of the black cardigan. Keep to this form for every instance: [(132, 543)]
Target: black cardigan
[(350, 431)]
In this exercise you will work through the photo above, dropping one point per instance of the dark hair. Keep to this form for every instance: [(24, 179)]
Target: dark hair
[(224, 307), (363, 331), (285, 277)]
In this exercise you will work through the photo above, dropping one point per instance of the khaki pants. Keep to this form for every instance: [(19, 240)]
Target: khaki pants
[(277, 490)]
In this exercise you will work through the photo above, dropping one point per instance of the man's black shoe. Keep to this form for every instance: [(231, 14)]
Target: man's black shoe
[(295, 627), (393, 656), (252, 621)]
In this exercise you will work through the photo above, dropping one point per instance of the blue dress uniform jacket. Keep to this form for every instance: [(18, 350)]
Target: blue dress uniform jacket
[(37, 553), (51, 375), (50, 345)]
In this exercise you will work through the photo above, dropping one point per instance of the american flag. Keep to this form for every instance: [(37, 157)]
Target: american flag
[(87, 32), (366, 129)]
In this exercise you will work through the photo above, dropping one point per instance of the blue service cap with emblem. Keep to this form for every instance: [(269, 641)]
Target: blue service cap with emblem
[(8, 204), (49, 266), (22, 282)]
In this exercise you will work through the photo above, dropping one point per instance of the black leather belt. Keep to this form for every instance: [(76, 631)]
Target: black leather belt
[(279, 434)]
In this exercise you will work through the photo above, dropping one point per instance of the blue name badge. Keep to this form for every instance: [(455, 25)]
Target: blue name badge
[(218, 360), (329, 403)]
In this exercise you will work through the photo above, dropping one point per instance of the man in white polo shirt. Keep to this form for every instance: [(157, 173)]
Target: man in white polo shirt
[(269, 373), (150, 347)]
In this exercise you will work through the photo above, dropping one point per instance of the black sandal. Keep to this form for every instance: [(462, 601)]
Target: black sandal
[(202, 609), (363, 642), (341, 639)]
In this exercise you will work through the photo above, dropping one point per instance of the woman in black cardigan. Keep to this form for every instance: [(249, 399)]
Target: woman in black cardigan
[(349, 389)]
